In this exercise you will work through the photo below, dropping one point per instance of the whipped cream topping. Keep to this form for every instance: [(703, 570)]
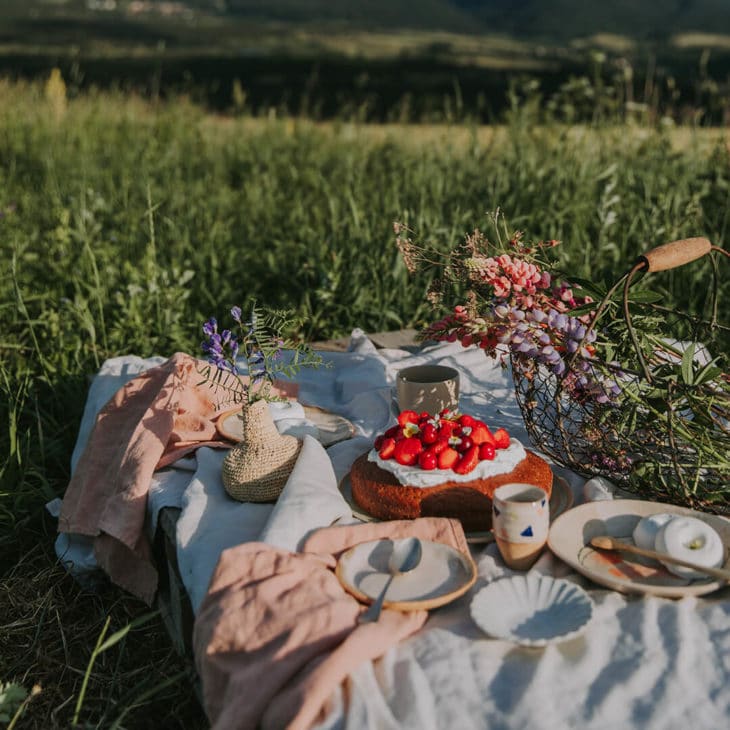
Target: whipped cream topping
[(505, 460)]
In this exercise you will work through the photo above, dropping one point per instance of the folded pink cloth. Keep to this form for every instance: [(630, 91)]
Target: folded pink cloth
[(153, 420), (277, 632)]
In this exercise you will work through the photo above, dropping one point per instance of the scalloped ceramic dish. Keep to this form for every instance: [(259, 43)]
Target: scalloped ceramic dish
[(532, 609)]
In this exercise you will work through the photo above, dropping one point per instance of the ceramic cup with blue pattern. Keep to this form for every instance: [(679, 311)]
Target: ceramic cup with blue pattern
[(520, 520)]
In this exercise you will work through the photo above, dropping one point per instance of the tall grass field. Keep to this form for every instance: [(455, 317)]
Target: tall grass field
[(124, 224)]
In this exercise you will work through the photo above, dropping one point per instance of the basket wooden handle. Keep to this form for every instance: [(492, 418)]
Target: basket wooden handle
[(674, 254)]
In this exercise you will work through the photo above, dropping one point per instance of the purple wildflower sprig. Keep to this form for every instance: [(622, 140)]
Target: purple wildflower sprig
[(255, 349), (220, 348)]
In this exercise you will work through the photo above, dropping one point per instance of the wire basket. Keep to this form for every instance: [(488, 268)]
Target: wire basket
[(658, 424)]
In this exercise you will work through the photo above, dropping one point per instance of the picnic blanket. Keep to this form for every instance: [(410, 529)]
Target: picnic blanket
[(644, 663)]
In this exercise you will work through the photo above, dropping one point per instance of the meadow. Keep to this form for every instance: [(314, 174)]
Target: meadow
[(124, 223)]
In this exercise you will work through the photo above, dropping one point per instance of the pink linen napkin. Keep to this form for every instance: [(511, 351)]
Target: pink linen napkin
[(277, 633), (153, 420)]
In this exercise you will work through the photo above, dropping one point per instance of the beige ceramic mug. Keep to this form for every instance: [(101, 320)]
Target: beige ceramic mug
[(429, 388), (520, 520)]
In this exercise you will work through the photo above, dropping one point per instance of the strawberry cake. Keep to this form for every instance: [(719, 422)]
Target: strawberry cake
[(446, 465)]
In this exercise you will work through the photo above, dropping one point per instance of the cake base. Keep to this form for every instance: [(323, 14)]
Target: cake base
[(380, 494)]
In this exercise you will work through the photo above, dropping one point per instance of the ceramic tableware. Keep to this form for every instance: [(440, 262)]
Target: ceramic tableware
[(441, 576), (532, 609), (404, 557), (520, 520), (571, 534), (429, 388)]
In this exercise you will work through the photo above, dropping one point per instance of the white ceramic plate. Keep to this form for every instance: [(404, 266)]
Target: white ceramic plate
[(330, 427), (561, 499), (571, 533), (532, 609), (443, 575)]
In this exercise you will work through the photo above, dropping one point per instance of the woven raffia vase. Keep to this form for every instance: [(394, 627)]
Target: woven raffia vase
[(256, 469)]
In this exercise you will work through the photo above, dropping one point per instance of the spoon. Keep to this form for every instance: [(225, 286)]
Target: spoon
[(604, 542), (405, 557)]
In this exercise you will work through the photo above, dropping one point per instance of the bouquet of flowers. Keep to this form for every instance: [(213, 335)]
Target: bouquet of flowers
[(514, 308), (604, 386)]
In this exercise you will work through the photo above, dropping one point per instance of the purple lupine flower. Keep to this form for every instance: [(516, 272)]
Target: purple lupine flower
[(557, 320), (220, 348), (214, 357), (210, 327), (213, 345), (236, 314), (559, 367)]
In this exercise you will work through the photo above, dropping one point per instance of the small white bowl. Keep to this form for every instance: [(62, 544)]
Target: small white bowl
[(532, 609)]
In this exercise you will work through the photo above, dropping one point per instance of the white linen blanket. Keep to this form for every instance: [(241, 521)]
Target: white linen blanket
[(645, 663)]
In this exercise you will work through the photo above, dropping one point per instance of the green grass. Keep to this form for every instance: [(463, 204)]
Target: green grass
[(123, 225)]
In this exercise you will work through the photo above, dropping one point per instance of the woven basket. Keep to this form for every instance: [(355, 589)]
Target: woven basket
[(646, 442), (256, 469)]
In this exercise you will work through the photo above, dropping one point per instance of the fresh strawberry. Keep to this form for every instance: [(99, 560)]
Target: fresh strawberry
[(407, 417), (487, 452), (448, 457), (446, 428), (406, 451), (480, 433), (501, 438), (468, 461), (391, 432), (427, 460), (387, 448), (465, 445), (424, 416), (466, 420), (439, 446), (429, 434), (378, 442)]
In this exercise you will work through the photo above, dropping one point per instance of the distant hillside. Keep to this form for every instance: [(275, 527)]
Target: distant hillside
[(564, 19), (547, 19), (360, 14)]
